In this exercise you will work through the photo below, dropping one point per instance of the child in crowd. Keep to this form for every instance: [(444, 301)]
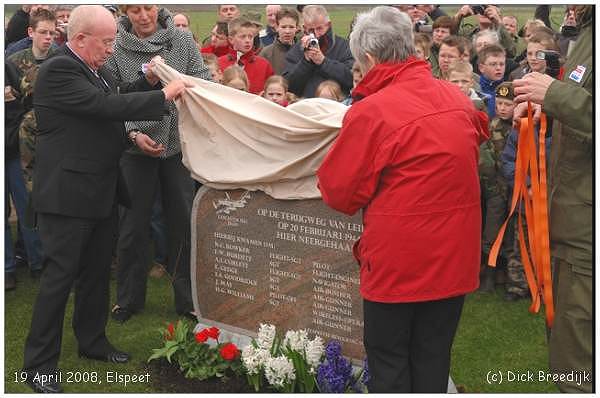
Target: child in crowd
[(356, 78), (219, 42), (494, 188), (211, 62), (276, 90), (235, 77), (241, 37), (461, 73), (538, 41), (287, 25), (492, 64), (330, 89), (423, 46)]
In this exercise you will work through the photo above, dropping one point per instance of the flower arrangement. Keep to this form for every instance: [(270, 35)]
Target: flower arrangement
[(199, 355), (335, 374), (288, 364)]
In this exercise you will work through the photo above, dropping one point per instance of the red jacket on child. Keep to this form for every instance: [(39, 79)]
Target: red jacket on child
[(407, 155), (257, 68)]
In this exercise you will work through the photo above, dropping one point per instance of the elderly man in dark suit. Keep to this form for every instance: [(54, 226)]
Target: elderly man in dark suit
[(80, 111)]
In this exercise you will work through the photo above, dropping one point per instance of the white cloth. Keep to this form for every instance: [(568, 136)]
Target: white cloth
[(232, 139)]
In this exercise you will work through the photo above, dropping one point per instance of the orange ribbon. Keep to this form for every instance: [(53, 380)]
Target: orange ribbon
[(535, 251)]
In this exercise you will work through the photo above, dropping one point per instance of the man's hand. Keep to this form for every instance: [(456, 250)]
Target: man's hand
[(464, 12), (493, 14), (532, 87), (315, 55), (521, 112), (174, 89), (148, 145)]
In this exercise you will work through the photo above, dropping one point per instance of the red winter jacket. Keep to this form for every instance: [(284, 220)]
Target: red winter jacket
[(257, 68), (407, 155), (218, 51)]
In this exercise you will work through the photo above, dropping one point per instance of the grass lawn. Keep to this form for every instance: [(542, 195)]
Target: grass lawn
[(492, 336)]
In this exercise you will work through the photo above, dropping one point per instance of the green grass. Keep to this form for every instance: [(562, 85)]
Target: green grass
[(493, 335), (137, 336)]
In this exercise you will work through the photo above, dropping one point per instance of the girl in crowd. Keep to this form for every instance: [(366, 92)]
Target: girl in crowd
[(235, 77), (276, 90), (330, 89)]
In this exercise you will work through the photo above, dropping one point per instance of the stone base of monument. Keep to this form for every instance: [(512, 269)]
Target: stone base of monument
[(289, 263)]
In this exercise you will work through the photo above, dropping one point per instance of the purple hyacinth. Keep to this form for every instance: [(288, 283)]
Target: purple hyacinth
[(333, 349), (335, 374), (365, 376)]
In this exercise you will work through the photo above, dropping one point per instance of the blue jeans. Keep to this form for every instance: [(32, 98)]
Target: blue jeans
[(15, 187)]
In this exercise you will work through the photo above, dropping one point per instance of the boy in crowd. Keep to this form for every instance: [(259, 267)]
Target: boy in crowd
[(219, 43), (241, 37), (287, 25), (494, 188), (461, 74), (451, 50), (492, 64), (443, 27)]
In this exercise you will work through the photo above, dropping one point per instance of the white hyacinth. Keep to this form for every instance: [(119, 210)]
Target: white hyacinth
[(266, 335), (279, 371), (254, 358), (296, 340), (314, 351)]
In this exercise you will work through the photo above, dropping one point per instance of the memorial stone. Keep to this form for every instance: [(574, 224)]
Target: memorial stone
[(285, 262)]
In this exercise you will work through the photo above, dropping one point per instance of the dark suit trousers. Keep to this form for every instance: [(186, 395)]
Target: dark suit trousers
[(77, 251), (408, 344), (143, 175)]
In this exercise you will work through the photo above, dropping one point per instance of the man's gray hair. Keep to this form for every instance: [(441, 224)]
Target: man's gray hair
[(385, 33), (312, 12), (492, 36), (83, 18)]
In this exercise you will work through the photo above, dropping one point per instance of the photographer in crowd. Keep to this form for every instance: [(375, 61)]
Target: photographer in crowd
[(570, 103), (318, 56)]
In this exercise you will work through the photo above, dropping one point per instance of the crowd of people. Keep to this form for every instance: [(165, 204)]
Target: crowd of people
[(437, 61)]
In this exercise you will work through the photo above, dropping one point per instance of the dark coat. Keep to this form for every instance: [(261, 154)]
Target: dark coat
[(16, 29), (304, 76), (13, 111), (82, 135)]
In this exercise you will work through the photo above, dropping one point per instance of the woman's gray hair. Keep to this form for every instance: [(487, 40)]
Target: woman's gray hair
[(385, 33), (492, 35)]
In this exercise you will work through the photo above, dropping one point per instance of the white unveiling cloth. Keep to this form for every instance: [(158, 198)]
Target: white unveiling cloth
[(232, 139)]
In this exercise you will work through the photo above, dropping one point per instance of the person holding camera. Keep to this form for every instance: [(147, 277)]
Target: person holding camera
[(318, 56), (569, 101), (489, 17)]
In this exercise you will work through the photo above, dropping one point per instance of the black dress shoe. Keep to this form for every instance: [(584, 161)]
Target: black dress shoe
[(111, 356), (10, 281), (121, 314), (51, 387)]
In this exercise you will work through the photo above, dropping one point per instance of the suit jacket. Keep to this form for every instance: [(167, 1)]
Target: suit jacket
[(82, 135)]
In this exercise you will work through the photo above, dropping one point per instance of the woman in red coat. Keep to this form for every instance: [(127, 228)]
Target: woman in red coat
[(407, 155)]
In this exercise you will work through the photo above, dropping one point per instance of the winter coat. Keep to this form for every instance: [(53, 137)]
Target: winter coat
[(416, 182), (256, 67), (179, 51), (571, 103), (305, 76)]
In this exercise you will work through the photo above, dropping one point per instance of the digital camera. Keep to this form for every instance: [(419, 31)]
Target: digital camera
[(313, 42), (552, 59), (478, 9)]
